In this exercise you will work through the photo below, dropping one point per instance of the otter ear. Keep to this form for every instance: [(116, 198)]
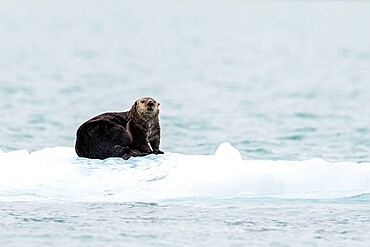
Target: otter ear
[(159, 103), (134, 106)]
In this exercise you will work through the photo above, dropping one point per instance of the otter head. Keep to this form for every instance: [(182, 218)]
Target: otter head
[(146, 107)]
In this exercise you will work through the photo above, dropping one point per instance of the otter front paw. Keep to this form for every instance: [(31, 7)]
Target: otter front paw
[(158, 152)]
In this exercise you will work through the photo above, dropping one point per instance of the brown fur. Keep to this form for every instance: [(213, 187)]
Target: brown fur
[(121, 134)]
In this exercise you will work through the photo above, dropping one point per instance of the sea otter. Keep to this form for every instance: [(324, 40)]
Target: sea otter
[(121, 134)]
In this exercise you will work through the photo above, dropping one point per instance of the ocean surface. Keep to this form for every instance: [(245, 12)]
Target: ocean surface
[(264, 116)]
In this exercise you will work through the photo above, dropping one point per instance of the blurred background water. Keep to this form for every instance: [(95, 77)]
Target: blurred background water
[(280, 80)]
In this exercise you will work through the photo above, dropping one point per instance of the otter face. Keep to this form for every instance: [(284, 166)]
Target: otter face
[(147, 106)]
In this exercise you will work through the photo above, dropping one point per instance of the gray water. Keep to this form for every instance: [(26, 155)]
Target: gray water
[(198, 223), (280, 80)]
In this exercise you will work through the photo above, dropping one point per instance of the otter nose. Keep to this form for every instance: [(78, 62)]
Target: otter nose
[(150, 103)]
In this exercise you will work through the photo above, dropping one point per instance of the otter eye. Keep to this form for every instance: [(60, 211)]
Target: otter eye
[(142, 101)]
